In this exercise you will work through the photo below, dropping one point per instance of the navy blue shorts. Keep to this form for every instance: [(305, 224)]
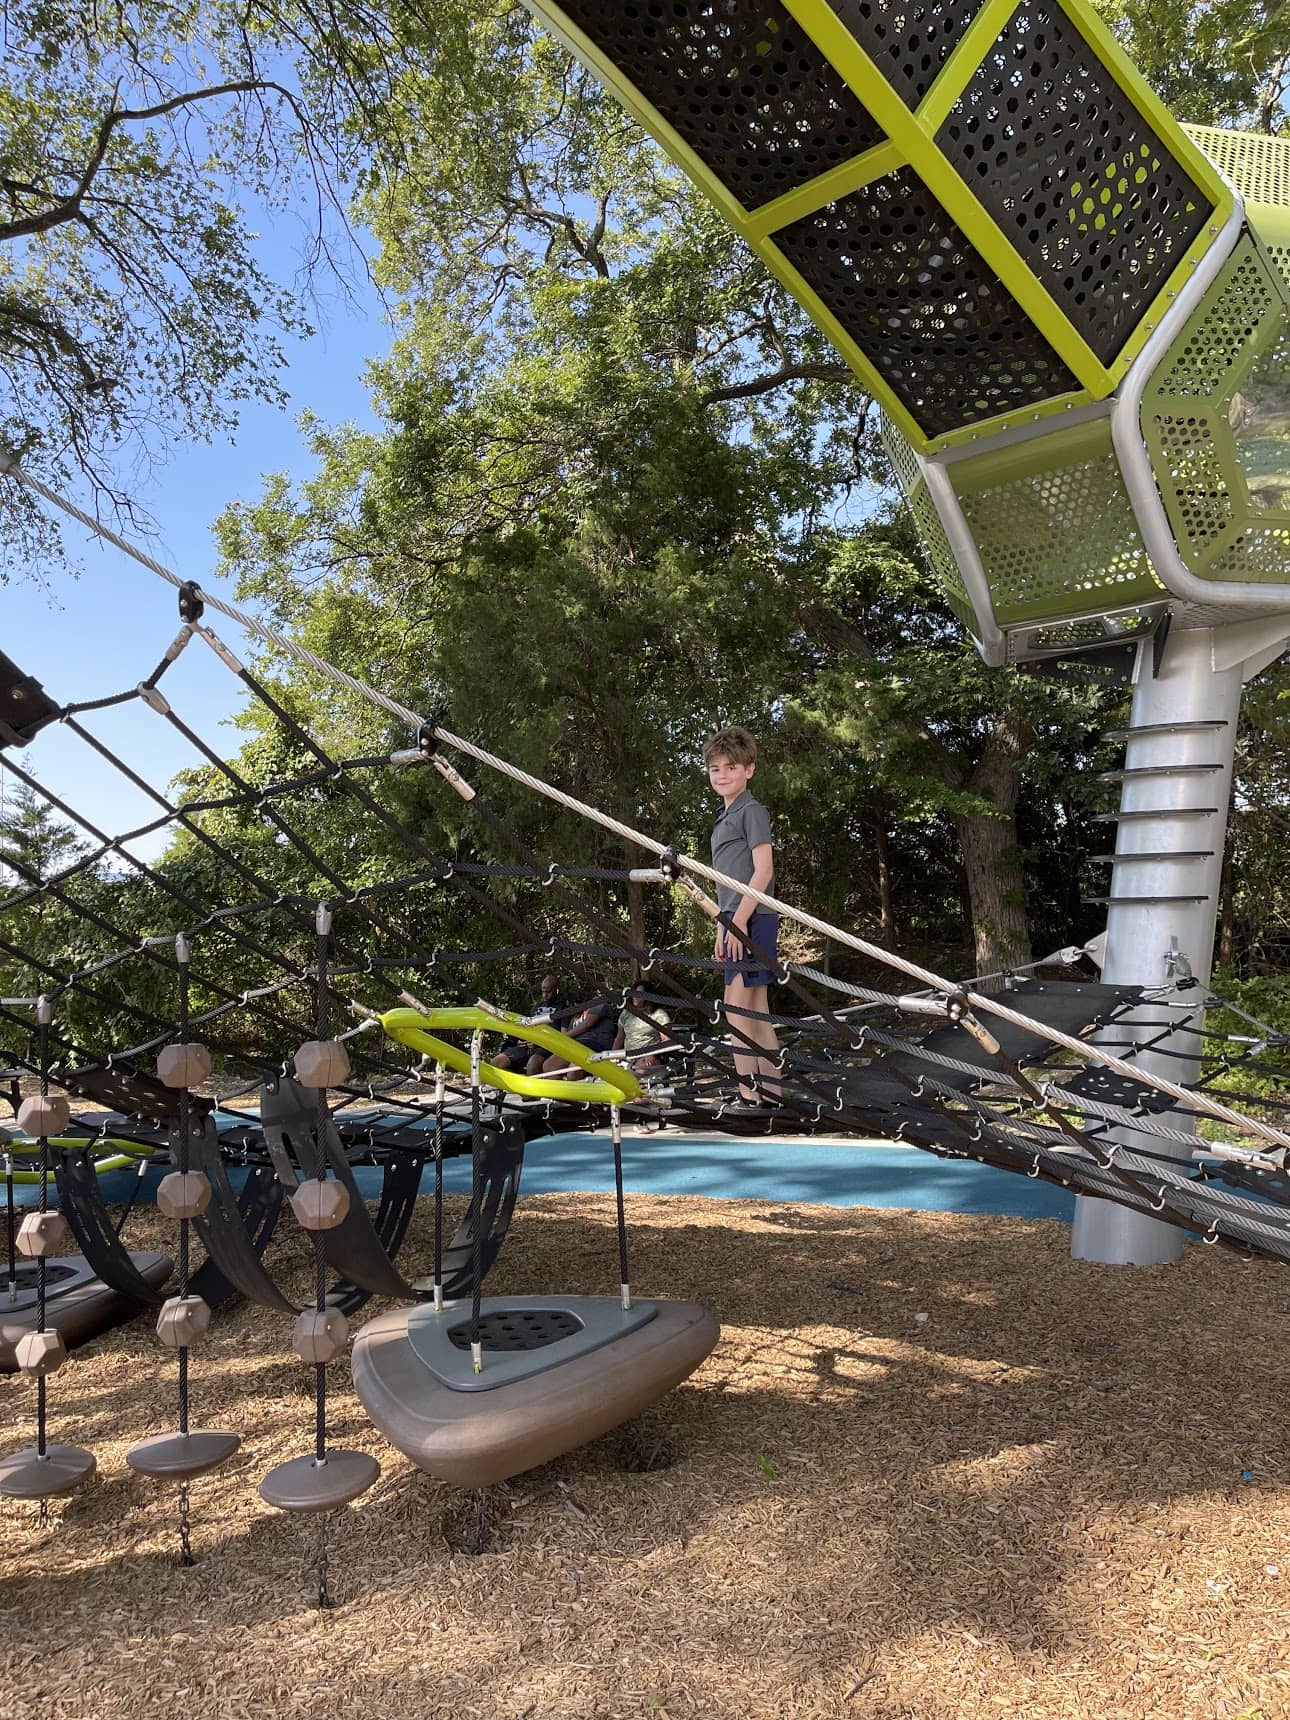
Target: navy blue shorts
[(763, 932)]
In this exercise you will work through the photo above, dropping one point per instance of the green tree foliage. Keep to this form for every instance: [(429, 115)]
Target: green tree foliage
[(623, 467), (622, 491), (140, 145), (1213, 62), (34, 842)]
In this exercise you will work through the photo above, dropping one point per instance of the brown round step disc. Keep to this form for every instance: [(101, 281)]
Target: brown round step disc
[(177, 1456), (304, 1484), (28, 1475)]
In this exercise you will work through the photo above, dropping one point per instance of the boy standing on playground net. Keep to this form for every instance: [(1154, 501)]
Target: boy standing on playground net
[(741, 848)]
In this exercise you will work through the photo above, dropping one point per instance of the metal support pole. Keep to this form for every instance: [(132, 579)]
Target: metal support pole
[(1183, 723)]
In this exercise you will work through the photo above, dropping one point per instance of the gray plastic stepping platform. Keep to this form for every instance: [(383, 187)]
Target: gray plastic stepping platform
[(520, 1336), (305, 1484), (178, 1456), (473, 1438), (78, 1304), (31, 1474)]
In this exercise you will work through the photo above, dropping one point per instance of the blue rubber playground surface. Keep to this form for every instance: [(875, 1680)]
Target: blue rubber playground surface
[(829, 1174), (842, 1174)]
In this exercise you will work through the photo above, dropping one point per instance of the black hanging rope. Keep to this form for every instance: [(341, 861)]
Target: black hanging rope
[(440, 1102), (43, 1017), (476, 1203), (182, 958)]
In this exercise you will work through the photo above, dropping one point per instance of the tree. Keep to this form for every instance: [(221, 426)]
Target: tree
[(34, 842), (1212, 62), (136, 143)]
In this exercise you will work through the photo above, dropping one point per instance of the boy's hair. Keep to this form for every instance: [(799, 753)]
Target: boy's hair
[(735, 744)]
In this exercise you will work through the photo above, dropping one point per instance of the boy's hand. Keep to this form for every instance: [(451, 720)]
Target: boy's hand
[(719, 945)]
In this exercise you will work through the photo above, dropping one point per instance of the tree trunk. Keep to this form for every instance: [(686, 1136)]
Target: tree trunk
[(886, 909), (991, 861), (635, 913), (1227, 898)]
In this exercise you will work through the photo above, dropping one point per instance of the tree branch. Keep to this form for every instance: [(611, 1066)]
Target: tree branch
[(69, 208), (776, 379)]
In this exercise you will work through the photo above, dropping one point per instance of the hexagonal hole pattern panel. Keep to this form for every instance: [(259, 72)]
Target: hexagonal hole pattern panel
[(936, 546), (1201, 363), (740, 81), (1074, 175), (1073, 635), (1258, 166), (1060, 540), (923, 305), (1280, 256), (903, 459), (1188, 469), (1260, 555), (908, 43), (1217, 424)]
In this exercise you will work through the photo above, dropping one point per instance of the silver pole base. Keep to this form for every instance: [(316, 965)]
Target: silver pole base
[(1178, 758), (1114, 1236)]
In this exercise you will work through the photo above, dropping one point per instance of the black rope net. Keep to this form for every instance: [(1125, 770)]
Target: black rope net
[(1045, 1077)]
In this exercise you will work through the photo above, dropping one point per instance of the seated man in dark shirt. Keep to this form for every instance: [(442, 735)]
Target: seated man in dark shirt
[(519, 1053)]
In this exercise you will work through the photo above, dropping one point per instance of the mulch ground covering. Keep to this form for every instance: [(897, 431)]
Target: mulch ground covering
[(935, 1468)]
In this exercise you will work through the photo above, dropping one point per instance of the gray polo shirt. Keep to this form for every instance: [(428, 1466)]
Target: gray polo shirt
[(739, 828)]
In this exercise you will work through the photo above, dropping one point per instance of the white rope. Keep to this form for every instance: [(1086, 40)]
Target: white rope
[(979, 1002)]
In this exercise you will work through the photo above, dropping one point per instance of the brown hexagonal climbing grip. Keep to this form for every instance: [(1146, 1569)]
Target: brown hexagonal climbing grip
[(42, 1234), (320, 1205), (183, 1194), (44, 1114), (40, 1353), (320, 1335), (184, 1065), (182, 1321), (322, 1063)]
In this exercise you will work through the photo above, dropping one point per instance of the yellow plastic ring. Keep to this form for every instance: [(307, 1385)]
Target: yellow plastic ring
[(611, 1083)]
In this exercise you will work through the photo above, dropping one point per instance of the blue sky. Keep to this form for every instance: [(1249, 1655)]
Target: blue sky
[(104, 631)]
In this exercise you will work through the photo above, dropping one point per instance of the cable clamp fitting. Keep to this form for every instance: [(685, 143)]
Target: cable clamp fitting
[(428, 747), (154, 699), (192, 605)]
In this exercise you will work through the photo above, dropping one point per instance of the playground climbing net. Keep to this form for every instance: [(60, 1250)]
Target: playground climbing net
[(1039, 1074)]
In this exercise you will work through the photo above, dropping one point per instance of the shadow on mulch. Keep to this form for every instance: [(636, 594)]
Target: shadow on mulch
[(914, 1423)]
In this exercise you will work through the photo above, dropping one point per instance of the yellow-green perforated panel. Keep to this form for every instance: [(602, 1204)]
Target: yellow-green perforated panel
[(1259, 168), (1216, 419), (1067, 636), (927, 522), (1054, 528)]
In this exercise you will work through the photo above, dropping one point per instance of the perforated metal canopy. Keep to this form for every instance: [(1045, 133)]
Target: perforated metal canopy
[(997, 224), (980, 204)]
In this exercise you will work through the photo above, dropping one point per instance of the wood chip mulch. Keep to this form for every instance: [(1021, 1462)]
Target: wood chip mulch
[(934, 1469)]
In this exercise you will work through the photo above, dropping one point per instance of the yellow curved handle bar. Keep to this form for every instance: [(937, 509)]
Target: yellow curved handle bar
[(611, 1083), (125, 1157)]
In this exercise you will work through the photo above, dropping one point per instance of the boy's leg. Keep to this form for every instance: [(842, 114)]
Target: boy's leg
[(763, 1031), (754, 1026)]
